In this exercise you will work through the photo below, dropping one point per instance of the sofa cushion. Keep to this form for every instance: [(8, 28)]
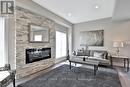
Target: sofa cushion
[(99, 55), (99, 59), (102, 53)]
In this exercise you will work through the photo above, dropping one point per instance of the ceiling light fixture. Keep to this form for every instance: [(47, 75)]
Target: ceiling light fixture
[(96, 6), (69, 14)]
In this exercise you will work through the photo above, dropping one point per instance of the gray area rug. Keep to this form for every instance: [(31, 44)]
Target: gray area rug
[(77, 77)]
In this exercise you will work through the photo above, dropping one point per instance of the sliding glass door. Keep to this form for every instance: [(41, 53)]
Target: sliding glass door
[(61, 44)]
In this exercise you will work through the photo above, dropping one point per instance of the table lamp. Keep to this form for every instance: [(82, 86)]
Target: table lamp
[(118, 45)]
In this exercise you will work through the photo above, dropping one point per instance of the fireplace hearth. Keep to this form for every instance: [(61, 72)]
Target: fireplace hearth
[(33, 55)]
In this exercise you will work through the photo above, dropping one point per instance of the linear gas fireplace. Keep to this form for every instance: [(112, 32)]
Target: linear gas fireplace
[(33, 55)]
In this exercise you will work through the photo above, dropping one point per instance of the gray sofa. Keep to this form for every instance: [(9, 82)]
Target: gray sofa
[(97, 55)]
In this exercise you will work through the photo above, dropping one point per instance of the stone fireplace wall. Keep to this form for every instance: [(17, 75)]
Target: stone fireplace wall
[(23, 19)]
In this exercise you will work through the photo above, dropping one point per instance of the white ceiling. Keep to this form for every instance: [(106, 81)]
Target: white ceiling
[(81, 10), (122, 10)]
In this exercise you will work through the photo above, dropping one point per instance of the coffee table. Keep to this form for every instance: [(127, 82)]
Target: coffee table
[(86, 62)]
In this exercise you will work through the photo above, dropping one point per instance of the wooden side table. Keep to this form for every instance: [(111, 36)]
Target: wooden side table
[(126, 61)]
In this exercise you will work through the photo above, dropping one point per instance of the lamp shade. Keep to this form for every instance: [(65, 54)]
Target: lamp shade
[(118, 44)]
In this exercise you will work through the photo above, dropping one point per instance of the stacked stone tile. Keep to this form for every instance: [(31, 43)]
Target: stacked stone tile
[(23, 19)]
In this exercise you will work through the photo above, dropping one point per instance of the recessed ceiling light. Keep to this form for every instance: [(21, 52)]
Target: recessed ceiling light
[(96, 6), (69, 14)]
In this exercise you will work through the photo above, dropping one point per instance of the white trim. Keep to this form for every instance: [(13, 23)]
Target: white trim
[(6, 41), (60, 59)]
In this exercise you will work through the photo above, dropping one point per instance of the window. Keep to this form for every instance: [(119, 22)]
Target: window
[(2, 41), (61, 44)]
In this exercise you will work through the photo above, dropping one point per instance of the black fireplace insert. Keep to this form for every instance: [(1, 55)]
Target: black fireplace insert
[(33, 55)]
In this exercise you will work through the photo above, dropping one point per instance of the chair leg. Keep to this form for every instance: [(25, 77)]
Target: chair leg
[(14, 82), (13, 79)]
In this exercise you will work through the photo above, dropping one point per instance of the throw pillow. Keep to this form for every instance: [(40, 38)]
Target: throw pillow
[(99, 54)]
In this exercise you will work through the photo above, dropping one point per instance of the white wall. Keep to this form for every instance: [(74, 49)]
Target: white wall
[(113, 31)]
